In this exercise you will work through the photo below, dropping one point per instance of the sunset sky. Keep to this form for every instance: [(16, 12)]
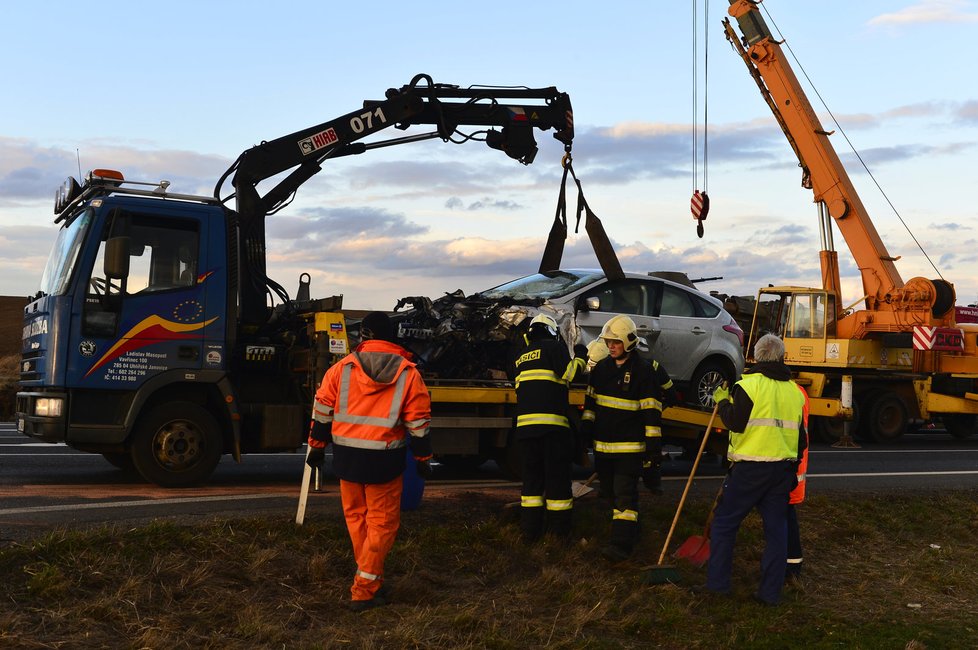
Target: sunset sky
[(177, 90)]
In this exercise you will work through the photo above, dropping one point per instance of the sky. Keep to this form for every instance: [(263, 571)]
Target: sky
[(178, 90)]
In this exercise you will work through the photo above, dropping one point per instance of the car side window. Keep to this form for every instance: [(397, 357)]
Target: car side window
[(676, 302), (706, 309), (634, 298)]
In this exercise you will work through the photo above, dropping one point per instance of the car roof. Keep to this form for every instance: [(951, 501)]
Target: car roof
[(653, 275)]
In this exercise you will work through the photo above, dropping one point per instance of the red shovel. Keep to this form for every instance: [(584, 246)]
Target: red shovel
[(696, 549)]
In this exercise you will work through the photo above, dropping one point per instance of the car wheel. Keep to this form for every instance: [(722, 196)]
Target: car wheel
[(707, 378), (177, 445)]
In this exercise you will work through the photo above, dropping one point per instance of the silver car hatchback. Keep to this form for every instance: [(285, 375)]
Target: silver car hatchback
[(684, 329)]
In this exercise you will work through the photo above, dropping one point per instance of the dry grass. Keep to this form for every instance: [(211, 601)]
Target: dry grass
[(882, 571)]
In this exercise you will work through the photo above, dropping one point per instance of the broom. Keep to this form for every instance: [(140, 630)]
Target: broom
[(661, 574)]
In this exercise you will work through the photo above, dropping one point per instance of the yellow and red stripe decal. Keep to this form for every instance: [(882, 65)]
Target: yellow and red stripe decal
[(148, 331)]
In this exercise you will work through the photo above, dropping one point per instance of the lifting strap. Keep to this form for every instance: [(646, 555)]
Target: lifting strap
[(603, 249)]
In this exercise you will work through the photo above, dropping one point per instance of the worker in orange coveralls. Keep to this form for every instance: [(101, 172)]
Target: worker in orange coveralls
[(371, 405), (793, 570)]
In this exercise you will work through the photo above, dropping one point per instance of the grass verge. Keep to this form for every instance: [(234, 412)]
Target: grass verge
[(881, 571)]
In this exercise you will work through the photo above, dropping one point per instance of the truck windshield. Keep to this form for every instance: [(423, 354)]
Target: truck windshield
[(553, 284), (64, 255)]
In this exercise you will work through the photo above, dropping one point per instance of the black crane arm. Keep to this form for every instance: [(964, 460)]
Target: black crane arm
[(516, 111)]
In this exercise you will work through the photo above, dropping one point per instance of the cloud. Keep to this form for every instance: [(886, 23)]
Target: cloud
[(929, 11), (968, 112), (949, 226), (29, 170), (316, 228)]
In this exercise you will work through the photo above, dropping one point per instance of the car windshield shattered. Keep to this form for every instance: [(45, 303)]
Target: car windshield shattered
[(553, 284), (476, 337)]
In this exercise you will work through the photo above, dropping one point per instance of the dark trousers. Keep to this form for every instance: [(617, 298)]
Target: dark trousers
[(546, 495), (750, 485), (619, 474), (795, 555)]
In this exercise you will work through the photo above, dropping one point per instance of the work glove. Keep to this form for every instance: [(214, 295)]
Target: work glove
[(721, 393), (580, 352), (424, 468), (652, 476), (316, 457)]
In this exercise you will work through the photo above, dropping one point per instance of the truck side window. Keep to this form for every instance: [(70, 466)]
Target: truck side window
[(163, 255)]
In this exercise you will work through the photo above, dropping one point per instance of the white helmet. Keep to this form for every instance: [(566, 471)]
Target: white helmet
[(544, 322), (621, 328), (596, 350)]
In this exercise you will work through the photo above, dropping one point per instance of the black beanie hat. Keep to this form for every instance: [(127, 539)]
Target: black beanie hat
[(376, 325)]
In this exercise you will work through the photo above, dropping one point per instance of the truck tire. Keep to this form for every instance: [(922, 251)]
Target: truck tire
[(886, 416), (176, 445), (705, 380), (961, 426), (830, 430)]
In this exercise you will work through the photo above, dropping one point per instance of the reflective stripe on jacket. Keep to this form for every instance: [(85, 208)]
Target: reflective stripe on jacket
[(376, 403), (544, 370), (775, 421), (625, 404)]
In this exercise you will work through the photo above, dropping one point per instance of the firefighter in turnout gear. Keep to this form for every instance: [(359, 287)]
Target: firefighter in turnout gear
[(623, 415), (371, 405), (544, 370)]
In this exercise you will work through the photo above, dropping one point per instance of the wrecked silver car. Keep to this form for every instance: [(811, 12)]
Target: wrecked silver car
[(476, 337)]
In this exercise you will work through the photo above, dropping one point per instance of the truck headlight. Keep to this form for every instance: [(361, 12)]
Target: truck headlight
[(48, 406)]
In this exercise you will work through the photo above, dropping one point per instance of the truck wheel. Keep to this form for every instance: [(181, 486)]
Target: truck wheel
[(961, 426), (887, 417), (176, 445), (830, 430), (705, 380)]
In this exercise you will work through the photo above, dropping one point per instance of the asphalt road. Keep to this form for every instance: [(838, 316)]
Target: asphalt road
[(43, 486)]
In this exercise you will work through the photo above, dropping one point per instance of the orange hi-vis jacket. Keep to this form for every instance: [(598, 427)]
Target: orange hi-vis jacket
[(798, 494), (374, 403)]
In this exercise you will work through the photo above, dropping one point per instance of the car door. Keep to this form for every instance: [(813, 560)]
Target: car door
[(685, 335), (636, 298)]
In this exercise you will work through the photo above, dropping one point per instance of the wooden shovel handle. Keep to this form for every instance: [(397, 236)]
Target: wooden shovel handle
[(689, 482)]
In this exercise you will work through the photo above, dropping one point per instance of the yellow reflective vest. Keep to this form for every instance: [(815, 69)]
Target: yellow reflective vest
[(775, 421)]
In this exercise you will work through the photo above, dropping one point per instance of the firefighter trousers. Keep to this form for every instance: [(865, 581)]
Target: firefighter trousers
[(373, 515), (546, 498), (619, 474)]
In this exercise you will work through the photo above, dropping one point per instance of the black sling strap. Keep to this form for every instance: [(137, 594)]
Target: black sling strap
[(603, 249)]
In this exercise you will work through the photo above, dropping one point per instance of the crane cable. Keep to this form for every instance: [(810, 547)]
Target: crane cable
[(849, 142), (699, 204)]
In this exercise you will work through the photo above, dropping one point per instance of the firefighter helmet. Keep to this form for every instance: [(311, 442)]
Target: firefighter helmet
[(543, 323), (621, 328), (596, 350)]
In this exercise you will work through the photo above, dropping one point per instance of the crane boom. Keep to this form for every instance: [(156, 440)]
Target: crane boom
[(891, 304)]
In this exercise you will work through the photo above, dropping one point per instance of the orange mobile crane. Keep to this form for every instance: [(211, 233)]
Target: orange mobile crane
[(908, 358)]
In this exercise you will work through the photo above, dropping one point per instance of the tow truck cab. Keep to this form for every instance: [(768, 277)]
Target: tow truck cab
[(132, 303)]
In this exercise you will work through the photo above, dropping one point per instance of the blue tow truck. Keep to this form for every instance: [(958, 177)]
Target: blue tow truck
[(157, 338)]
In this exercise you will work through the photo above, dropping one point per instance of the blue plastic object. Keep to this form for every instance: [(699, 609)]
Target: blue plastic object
[(413, 485)]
